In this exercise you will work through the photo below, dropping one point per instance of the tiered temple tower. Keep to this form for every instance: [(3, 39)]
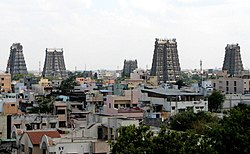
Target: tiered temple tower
[(129, 66), (232, 61), (165, 63), (54, 65), (16, 63)]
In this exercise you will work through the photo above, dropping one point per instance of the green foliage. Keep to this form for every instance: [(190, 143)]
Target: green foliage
[(141, 140), (233, 133), (45, 105), (215, 101), (180, 83), (133, 140), (198, 123), (68, 83), (20, 76), (189, 79), (50, 78), (197, 133), (119, 79)]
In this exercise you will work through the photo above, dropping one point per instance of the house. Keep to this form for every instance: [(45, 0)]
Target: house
[(35, 121), (60, 109), (5, 82), (125, 105), (73, 145), (94, 101), (159, 101), (105, 127), (30, 140)]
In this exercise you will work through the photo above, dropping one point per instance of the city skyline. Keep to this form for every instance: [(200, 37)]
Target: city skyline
[(100, 35)]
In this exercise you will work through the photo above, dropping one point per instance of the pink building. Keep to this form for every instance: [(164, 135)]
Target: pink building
[(123, 105)]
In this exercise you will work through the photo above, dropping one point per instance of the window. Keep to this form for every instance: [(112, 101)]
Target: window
[(17, 125), (235, 89), (109, 105), (227, 83), (13, 105), (60, 111), (234, 83), (62, 124), (53, 125), (2, 84), (22, 147), (30, 150), (116, 106), (2, 79)]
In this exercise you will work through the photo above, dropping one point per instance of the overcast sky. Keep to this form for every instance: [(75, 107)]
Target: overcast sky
[(102, 33)]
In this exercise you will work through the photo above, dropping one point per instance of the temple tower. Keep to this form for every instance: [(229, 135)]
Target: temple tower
[(232, 60), (54, 65), (165, 63), (129, 66), (16, 63)]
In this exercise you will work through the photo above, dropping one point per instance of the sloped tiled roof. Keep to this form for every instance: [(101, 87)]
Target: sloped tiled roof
[(36, 136)]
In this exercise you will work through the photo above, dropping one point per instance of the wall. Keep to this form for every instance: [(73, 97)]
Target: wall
[(10, 108)]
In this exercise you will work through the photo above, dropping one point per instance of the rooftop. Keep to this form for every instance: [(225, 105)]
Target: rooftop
[(170, 92), (36, 136)]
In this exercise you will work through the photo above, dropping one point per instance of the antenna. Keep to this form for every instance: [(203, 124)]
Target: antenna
[(201, 71), (39, 70)]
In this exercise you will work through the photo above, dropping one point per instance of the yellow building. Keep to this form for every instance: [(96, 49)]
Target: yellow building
[(44, 82), (5, 82)]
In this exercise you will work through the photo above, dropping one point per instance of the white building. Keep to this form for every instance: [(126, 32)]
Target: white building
[(159, 101)]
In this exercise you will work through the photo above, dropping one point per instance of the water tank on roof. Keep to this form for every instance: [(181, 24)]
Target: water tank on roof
[(1, 106)]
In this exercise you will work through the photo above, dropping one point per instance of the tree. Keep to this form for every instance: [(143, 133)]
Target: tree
[(198, 123), (215, 101), (169, 142), (21, 76), (180, 83), (45, 105), (233, 133), (68, 84), (141, 140), (133, 140)]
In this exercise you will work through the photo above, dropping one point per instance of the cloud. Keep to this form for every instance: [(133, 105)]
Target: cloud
[(102, 36)]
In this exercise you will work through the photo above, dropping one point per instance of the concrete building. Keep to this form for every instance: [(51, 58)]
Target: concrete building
[(137, 77), (95, 101), (35, 121), (56, 83), (29, 81), (129, 66), (165, 63), (5, 82), (60, 109), (232, 100), (229, 85), (232, 61), (7, 144), (16, 63), (30, 141), (54, 65), (160, 102), (126, 105), (10, 108), (50, 145), (104, 127)]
